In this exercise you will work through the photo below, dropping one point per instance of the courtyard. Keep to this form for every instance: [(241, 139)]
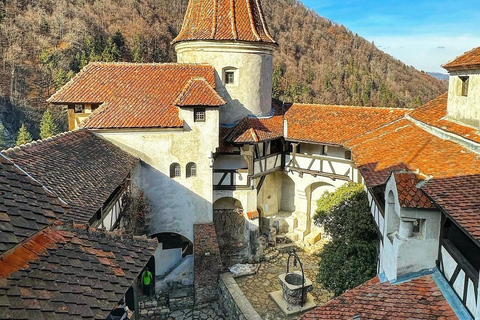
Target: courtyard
[(258, 286)]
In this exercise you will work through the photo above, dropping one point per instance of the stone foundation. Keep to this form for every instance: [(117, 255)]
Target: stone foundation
[(233, 302), (207, 263)]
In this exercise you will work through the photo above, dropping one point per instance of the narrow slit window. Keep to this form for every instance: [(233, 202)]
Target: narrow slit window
[(464, 83)]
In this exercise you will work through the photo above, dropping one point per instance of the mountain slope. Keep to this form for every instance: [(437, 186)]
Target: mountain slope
[(44, 42)]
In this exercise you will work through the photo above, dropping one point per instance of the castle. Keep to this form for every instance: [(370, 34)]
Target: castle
[(220, 163)]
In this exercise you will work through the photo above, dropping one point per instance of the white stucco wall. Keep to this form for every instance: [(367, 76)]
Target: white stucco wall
[(460, 108), (176, 204), (406, 255), (251, 94)]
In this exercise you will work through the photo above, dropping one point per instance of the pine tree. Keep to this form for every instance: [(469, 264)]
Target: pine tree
[(23, 136), (3, 138), (48, 127)]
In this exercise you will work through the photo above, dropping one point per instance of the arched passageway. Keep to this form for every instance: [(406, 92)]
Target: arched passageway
[(172, 249)]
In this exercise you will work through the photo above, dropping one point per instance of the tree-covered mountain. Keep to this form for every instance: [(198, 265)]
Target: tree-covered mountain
[(45, 42)]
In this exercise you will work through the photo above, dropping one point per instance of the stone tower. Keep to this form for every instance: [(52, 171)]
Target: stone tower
[(232, 36)]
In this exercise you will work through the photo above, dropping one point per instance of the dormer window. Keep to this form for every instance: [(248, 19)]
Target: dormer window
[(464, 81)]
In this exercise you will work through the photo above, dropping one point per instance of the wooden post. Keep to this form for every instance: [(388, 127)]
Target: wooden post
[(135, 299)]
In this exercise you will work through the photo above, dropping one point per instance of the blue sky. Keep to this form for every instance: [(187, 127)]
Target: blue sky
[(425, 34)]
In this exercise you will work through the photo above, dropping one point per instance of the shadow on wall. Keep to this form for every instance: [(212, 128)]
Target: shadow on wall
[(237, 236), (173, 207)]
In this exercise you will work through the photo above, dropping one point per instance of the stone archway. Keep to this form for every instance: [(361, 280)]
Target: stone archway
[(314, 191), (172, 249), (231, 229), (287, 202)]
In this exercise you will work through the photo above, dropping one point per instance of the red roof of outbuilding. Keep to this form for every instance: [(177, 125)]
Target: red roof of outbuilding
[(409, 195), (336, 124), (198, 92), (434, 113), (133, 95), (416, 299), (470, 59), (228, 20), (253, 130)]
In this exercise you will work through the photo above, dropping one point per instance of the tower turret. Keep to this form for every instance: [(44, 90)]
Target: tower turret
[(231, 35)]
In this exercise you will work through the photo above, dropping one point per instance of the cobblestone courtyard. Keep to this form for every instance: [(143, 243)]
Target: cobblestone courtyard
[(257, 287)]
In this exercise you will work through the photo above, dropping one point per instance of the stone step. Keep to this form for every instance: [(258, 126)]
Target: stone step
[(181, 303), (285, 247), (312, 238), (181, 293), (292, 236)]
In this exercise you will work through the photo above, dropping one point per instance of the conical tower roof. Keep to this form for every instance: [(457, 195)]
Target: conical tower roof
[(225, 20)]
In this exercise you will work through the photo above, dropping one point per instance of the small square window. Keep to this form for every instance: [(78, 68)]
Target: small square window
[(199, 115), (229, 77), (79, 108), (348, 155), (464, 83)]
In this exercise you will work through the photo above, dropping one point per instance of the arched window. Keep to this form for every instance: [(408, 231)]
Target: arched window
[(175, 170), (191, 170)]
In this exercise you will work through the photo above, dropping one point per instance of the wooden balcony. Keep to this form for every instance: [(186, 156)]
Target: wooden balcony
[(331, 167)]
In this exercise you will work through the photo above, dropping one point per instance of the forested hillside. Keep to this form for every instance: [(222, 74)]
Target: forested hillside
[(45, 42)]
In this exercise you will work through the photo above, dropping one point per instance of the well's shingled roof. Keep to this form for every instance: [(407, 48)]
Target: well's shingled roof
[(336, 124), (252, 130), (228, 20), (409, 196), (132, 95), (434, 114), (81, 168), (467, 60), (69, 274), (198, 92), (25, 206), (418, 299)]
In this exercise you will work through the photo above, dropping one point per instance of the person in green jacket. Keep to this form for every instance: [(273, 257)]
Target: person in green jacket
[(147, 282)]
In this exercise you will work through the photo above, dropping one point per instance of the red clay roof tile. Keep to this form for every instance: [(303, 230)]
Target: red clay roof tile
[(434, 113), (235, 20), (336, 124), (409, 195), (416, 299), (470, 59), (198, 92), (252, 130), (133, 95)]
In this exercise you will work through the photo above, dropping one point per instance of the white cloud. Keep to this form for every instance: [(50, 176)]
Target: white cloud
[(425, 51)]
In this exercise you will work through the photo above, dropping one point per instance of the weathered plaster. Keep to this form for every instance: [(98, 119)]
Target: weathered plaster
[(251, 94), (176, 204), (400, 256), (464, 109)]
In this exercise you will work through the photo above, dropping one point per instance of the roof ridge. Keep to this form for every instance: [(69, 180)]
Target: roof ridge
[(147, 64), (39, 141), (350, 106), (252, 22)]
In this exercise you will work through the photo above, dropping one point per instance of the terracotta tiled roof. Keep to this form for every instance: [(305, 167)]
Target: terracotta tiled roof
[(133, 95), (198, 92), (409, 195), (81, 168), (454, 171), (251, 130), (417, 299), (236, 20), (69, 275), (434, 113), (224, 147), (404, 146), (459, 198), (335, 125), (26, 207), (470, 59)]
